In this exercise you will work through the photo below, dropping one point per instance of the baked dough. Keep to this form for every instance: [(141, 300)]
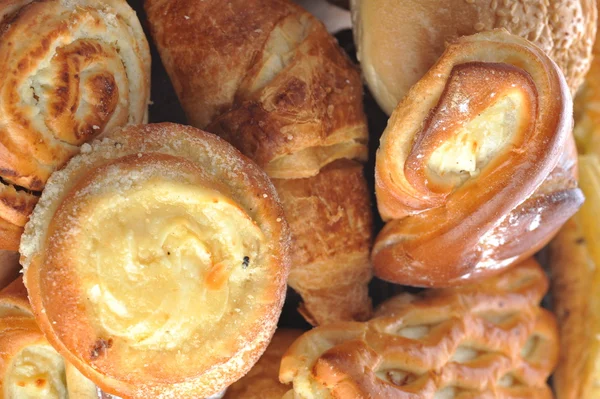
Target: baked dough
[(486, 340), (476, 169), (71, 69), (156, 262)]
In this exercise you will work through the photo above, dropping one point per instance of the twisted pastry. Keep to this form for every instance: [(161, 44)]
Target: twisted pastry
[(476, 169), (490, 340), (262, 382), (266, 76), (71, 70), (156, 262), (395, 55)]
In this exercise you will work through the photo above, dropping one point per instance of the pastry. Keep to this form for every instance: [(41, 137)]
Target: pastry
[(266, 76), (156, 262), (262, 382), (13, 300), (71, 70), (9, 265), (488, 340), (476, 169), (395, 54), (574, 260)]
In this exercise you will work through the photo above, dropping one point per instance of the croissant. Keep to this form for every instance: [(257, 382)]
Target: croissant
[(489, 340), (574, 260), (156, 262), (476, 169), (266, 76), (70, 71), (262, 382), (395, 54)]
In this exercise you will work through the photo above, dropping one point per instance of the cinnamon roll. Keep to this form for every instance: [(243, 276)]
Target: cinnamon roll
[(477, 167), (71, 70), (156, 262)]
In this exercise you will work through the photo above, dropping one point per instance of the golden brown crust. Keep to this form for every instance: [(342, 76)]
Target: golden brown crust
[(9, 267), (503, 201), (267, 77), (292, 99), (395, 55), (14, 301), (262, 382), (107, 326), (478, 341), (84, 69), (331, 223), (575, 280)]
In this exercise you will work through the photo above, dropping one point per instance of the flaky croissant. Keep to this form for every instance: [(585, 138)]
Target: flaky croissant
[(70, 71), (476, 168), (266, 76)]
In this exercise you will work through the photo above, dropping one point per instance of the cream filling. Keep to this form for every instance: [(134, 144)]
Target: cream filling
[(38, 371), (477, 142), (166, 262)]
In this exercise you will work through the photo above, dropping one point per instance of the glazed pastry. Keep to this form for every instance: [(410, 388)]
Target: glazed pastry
[(476, 169), (71, 70), (266, 76), (156, 262), (394, 54), (574, 260), (262, 382), (488, 340)]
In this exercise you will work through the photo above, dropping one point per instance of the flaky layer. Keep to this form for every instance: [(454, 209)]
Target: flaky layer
[(478, 341), (168, 251), (476, 169)]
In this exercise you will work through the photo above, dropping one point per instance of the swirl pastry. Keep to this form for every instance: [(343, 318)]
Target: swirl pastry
[(156, 262), (71, 70), (476, 168), (574, 261), (266, 76), (262, 382), (395, 55), (489, 340)]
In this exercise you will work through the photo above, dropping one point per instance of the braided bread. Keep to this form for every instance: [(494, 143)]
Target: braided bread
[(477, 167), (71, 70), (489, 340), (266, 76)]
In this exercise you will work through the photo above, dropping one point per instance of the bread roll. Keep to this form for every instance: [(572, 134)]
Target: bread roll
[(477, 167), (487, 340), (262, 382), (399, 40), (9, 265), (266, 76), (156, 262), (574, 260), (71, 70)]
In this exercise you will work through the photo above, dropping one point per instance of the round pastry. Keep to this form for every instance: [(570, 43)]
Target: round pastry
[(70, 71), (262, 382), (477, 167), (399, 40), (156, 262), (14, 301)]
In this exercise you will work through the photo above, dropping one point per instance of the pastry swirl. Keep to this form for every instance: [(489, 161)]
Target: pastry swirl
[(290, 100), (486, 340), (71, 70), (477, 167), (168, 251)]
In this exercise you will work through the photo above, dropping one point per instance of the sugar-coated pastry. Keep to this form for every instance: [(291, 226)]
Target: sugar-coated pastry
[(476, 169), (399, 40), (262, 382), (574, 265), (266, 76), (156, 262), (486, 340), (71, 69)]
